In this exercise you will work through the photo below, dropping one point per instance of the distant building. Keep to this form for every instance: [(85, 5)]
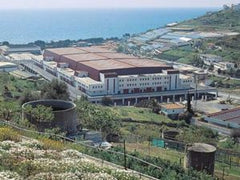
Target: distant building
[(225, 7), (23, 48), (200, 75), (224, 66), (171, 24), (209, 59), (7, 67), (172, 109), (236, 7), (227, 118)]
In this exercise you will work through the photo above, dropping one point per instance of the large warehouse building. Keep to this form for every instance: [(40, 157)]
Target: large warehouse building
[(98, 72)]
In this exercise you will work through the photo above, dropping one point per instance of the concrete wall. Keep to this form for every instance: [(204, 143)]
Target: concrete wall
[(65, 116)]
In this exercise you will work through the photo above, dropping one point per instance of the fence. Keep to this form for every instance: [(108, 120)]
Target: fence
[(103, 161), (227, 157)]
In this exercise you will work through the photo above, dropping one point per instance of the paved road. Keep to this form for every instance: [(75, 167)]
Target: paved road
[(74, 92), (227, 95), (222, 130)]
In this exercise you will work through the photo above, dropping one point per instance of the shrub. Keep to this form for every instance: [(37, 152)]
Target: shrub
[(51, 144), (107, 101), (9, 134)]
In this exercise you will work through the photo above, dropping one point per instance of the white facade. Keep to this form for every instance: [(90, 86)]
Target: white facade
[(110, 84), (224, 66), (7, 67), (209, 59)]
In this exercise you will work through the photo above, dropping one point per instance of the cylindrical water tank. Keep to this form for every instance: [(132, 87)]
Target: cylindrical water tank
[(65, 116), (201, 157)]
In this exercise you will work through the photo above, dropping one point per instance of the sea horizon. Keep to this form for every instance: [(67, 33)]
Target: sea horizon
[(25, 25)]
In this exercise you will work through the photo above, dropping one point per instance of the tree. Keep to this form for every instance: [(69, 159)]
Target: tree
[(29, 96), (40, 43), (211, 67), (40, 113), (97, 117), (235, 134), (55, 90), (5, 43), (8, 110), (219, 71), (107, 101)]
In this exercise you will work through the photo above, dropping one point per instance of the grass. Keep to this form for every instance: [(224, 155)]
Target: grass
[(9, 134), (16, 85), (179, 54), (221, 20), (148, 150), (173, 156), (52, 144), (136, 113), (234, 85)]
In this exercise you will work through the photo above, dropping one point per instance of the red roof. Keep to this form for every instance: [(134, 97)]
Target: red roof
[(232, 115)]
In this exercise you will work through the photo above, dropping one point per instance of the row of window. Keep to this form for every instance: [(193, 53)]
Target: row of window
[(97, 87), (143, 84), (157, 83), (143, 79), (187, 81)]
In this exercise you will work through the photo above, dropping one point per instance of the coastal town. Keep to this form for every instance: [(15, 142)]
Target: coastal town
[(145, 106)]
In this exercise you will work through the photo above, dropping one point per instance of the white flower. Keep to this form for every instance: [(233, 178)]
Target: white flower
[(8, 175)]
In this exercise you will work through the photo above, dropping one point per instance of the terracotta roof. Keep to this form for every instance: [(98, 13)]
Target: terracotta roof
[(101, 58), (173, 106)]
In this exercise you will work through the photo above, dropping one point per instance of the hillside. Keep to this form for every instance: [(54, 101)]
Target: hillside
[(227, 46), (26, 158), (221, 20)]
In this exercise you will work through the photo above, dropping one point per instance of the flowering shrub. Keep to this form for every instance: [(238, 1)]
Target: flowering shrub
[(32, 161), (52, 144), (8, 175), (8, 134)]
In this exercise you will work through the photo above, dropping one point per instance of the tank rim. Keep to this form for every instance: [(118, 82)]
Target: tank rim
[(52, 100)]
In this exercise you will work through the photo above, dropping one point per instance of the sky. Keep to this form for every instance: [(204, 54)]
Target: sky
[(56, 4)]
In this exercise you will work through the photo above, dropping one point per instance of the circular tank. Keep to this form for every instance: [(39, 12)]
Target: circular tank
[(201, 157), (170, 134), (64, 115)]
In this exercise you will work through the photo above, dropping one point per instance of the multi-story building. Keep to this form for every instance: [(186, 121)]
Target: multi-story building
[(108, 72), (99, 72), (21, 48)]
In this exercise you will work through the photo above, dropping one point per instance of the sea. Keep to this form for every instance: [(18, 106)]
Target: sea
[(23, 26)]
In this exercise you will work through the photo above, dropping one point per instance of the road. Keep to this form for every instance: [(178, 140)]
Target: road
[(222, 130), (74, 92), (227, 95)]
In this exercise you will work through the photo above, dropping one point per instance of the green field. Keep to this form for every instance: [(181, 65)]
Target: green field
[(16, 85), (137, 113)]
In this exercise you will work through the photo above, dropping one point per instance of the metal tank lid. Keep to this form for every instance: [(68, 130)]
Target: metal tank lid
[(202, 147)]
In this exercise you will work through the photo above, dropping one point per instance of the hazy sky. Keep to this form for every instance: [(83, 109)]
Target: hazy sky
[(26, 4)]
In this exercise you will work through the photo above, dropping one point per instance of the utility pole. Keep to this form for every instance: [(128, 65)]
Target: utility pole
[(196, 82), (125, 157)]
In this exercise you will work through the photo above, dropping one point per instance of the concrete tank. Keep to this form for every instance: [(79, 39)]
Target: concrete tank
[(201, 157), (65, 116)]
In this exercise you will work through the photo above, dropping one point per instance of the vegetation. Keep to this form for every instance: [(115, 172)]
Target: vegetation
[(38, 159), (97, 117), (221, 20), (55, 90), (40, 113), (110, 120), (198, 134), (225, 84), (28, 158)]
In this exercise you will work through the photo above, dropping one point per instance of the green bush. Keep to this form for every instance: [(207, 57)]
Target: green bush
[(9, 134)]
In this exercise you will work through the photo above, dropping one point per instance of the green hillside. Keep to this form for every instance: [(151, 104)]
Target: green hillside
[(221, 20)]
